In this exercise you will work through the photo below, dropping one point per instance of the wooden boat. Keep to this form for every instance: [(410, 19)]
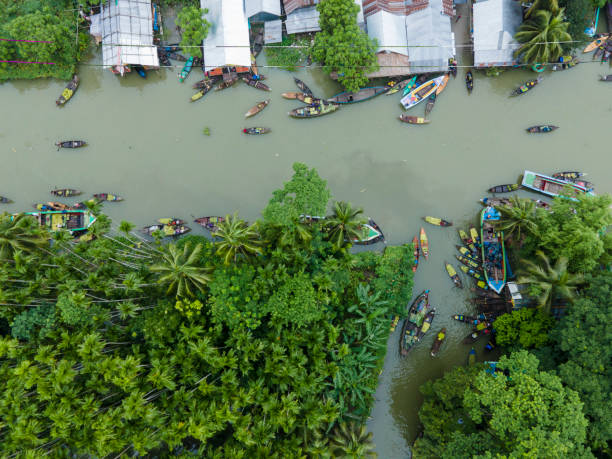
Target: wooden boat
[(472, 358), (348, 97), (415, 319), (464, 237), (437, 221), (493, 249), (470, 262), (429, 317), (437, 344), (258, 42), (397, 86), (472, 320), (424, 243), (307, 99), (317, 109), (300, 84), (210, 223), (469, 81), (107, 197), (256, 130), (4, 200), (140, 70), (291, 94), (595, 44), (256, 83), (171, 221), (541, 128), (70, 144), (469, 252), (472, 273), (83, 204), (205, 83), (201, 93), (568, 175), (186, 69), (453, 274), (442, 85), (176, 56), (583, 183), (166, 230), (52, 206), (72, 220), (372, 234), (525, 87), (257, 108), (415, 244), (413, 119), (65, 192), (226, 84), (605, 77), (394, 322), (421, 93), (409, 86), (474, 235), (430, 104), (452, 67), (503, 188), (550, 186), (68, 91), (473, 337)]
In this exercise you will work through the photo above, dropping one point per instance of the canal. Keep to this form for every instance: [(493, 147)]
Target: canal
[(146, 143)]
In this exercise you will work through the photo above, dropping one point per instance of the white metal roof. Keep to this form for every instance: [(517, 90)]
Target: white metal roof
[(303, 20), (389, 30), (273, 31), (253, 7), (495, 23), (227, 42), (126, 27)]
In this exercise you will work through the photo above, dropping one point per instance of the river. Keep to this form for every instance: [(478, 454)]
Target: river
[(146, 144)]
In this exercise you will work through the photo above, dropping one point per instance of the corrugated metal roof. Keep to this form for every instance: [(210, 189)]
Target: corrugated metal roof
[(253, 7), (303, 20), (126, 27), (495, 24), (389, 30), (292, 5), (273, 31), (227, 42)]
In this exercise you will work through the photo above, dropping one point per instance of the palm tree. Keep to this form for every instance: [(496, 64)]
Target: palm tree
[(344, 224), (181, 270), (237, 239), (352, 441), (553, 281), (19, 232), (541, 37), (518, 218), (535, 5), (126, 227)]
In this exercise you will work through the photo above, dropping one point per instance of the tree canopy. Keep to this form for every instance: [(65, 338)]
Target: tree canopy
[(194, 29)]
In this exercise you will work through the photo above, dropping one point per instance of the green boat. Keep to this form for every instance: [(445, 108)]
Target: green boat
[(493, 250), (409, 86), (186, 69), (71, 220), (311, 111)]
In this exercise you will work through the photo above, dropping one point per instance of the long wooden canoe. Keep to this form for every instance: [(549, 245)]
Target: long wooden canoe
[(68, 92), (257, 108), (442, 85), (348, 97), (424, 243), (413, 119), (415, 243), (595, 44)]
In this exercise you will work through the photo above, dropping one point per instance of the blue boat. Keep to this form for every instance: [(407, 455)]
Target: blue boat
[(186, 69), (140, 70), (493, 250)]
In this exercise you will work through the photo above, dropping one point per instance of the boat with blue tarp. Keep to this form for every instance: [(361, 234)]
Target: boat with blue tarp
[(493, 250)]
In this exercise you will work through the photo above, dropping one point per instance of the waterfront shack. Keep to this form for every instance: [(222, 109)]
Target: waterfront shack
[(227, 44), (495, 22), (302, 16), (125, 29), (413, 37)]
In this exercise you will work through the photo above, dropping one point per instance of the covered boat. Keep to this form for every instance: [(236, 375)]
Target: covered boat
[(569, 175), (4, 200), (257, 108), (65, 192), (415, 244), (437, 221), (453, 274), (70, 144), (474, 235), (467, 261), (550, 186), (226, 84), (300, 84), (71, 220), (464, 237), (503, 188), (348, 97), (413, 119), (469, 81), (372, 234), (493, 250), (424, 243), (469, 251), (478, 275), (255, 83), (210, 223), (186, 69), (107, 197), (68, 91), (311, 111), (437, 344), (421, 93), (256, 130), (541, 128), (527, 86)]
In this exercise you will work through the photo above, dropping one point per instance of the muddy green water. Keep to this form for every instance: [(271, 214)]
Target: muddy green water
[(146, 144)]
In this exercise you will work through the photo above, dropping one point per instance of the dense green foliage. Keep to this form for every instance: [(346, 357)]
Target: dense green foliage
[(289, 53), (194, 29), (121, 346), (578, 14), (38, 20), (525, 327), (341, 46), (518, 411)]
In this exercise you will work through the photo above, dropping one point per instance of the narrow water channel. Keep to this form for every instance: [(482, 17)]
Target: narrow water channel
[(146, 144)]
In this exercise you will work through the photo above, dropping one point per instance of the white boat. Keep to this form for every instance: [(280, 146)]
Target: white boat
[(421, 93), (550, 186)]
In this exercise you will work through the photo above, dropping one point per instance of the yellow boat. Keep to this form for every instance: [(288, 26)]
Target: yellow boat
[(475, 235), (442, 85), (424, 243), (437, 221), (453, 274), (596, 44)]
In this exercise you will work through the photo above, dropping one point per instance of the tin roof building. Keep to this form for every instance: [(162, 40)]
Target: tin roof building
[(495, 24)]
